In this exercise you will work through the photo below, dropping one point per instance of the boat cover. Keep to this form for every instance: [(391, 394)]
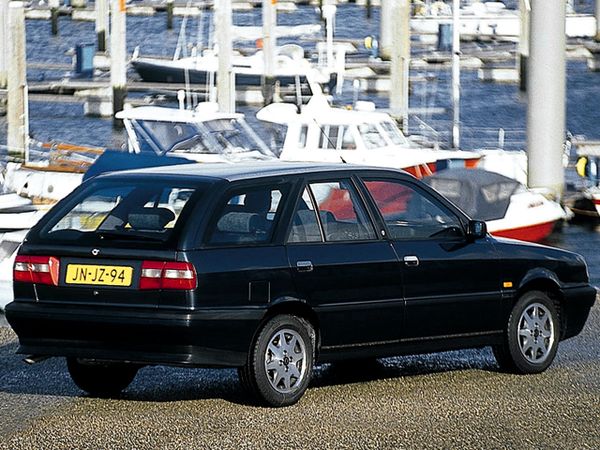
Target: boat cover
[(116, 160), (483, 195)]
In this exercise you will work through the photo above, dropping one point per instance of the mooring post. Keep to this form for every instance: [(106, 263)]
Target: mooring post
[(368, 8), (17, 111), (225, 75), (170, 6), (3, 43), (546, 91), (102, 24), (456, 74), (269, 44), (400, 26), (385, 29), (597, 13), (54, 4), (118, 55), (524, 11)]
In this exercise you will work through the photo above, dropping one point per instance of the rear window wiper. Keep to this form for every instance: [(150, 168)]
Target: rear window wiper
[(129, 236)]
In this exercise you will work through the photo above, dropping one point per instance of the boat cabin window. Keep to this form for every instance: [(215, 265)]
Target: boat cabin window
[(303, 136), (329, 136), (336, 137), (393, 133), (372, 136), (161, 137)]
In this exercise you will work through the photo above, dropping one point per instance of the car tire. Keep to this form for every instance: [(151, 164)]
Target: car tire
[(101, 379), (531, 337), (280, 362)]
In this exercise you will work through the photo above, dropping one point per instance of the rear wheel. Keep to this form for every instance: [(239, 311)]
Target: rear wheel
[(101, 379), (280, 363), (532, 335)]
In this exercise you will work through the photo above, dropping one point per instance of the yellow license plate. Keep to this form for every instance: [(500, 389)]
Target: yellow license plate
[(99, 275)]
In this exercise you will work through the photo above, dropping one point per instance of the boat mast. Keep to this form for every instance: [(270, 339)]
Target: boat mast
[(456, 74)]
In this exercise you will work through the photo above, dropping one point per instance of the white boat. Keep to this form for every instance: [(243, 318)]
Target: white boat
[(508, 207), (491, 19), (320, 132), (9, 244), (203, 134)]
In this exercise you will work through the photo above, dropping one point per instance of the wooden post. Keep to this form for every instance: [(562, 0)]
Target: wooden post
[(54, 4), (118, 55), (368, 7), (524, 10), (225, 75), (400, 26), (170, 6), (102, 24), (17, 112), (269, 17), (546, 96)]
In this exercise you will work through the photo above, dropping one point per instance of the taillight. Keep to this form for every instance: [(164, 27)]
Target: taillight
[(167, 275), (37, 269)]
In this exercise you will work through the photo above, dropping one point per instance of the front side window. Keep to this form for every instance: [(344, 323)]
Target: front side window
[(248, 216), (341, 213), (410, 213), (122, 210), (393, 133), (329, 136)]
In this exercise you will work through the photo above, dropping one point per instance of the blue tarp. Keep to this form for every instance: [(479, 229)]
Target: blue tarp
[(116, 160)]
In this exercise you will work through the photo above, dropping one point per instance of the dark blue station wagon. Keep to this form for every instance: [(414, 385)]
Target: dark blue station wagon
[(271, 268)]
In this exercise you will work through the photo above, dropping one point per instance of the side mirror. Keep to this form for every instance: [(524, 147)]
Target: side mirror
[(476, 229)]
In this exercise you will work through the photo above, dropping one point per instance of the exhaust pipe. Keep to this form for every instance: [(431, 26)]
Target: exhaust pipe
[(34, 359)]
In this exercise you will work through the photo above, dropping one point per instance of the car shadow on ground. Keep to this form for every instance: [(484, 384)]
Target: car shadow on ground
[(168, 384)]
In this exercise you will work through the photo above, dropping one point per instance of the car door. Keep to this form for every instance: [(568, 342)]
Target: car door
[(452, 283), (341, 266)]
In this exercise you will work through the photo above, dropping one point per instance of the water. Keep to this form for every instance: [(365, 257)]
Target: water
[(483, 105)]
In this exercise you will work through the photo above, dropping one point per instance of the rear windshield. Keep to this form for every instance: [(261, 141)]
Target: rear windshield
[(121, 210)]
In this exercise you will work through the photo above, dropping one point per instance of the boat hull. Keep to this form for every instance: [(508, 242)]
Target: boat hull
[(532, 233), (163, 73)]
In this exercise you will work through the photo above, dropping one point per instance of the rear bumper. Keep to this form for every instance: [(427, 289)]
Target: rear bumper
[(202, 338), (578, 302)]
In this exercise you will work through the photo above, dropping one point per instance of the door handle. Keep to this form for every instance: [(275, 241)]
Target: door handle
[(304, 266), (411, 261)]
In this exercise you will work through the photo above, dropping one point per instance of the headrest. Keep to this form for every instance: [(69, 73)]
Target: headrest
[(150, 218)]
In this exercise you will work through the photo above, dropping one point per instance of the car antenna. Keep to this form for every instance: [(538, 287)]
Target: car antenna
[(329, 140)]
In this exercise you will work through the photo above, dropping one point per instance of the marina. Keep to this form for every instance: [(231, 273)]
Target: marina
[(71, 100)]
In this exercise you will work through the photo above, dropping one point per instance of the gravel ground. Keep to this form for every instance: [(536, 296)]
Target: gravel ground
[(447, 400)]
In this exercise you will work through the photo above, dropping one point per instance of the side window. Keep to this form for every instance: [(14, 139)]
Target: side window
[(305, 226), (303, 136), (342, 216), (348, 142), (248, 216), (410, 213)]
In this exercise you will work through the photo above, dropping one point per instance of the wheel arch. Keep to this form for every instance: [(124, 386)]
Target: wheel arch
[(545, 281), (295, 307)]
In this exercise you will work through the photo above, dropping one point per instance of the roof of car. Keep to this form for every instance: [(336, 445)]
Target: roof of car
[(258, 169)]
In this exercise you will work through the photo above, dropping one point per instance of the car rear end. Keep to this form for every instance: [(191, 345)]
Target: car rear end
[(103, 275)]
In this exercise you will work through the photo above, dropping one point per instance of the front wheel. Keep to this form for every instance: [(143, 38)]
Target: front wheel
[(101, 379), (279, 366), (532, 335)]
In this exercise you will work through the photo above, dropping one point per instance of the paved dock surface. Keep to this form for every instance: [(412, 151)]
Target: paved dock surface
[(448, 400)]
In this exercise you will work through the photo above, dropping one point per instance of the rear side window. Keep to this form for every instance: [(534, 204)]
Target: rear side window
[(341, 213), (248, 216), (122, 210)]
